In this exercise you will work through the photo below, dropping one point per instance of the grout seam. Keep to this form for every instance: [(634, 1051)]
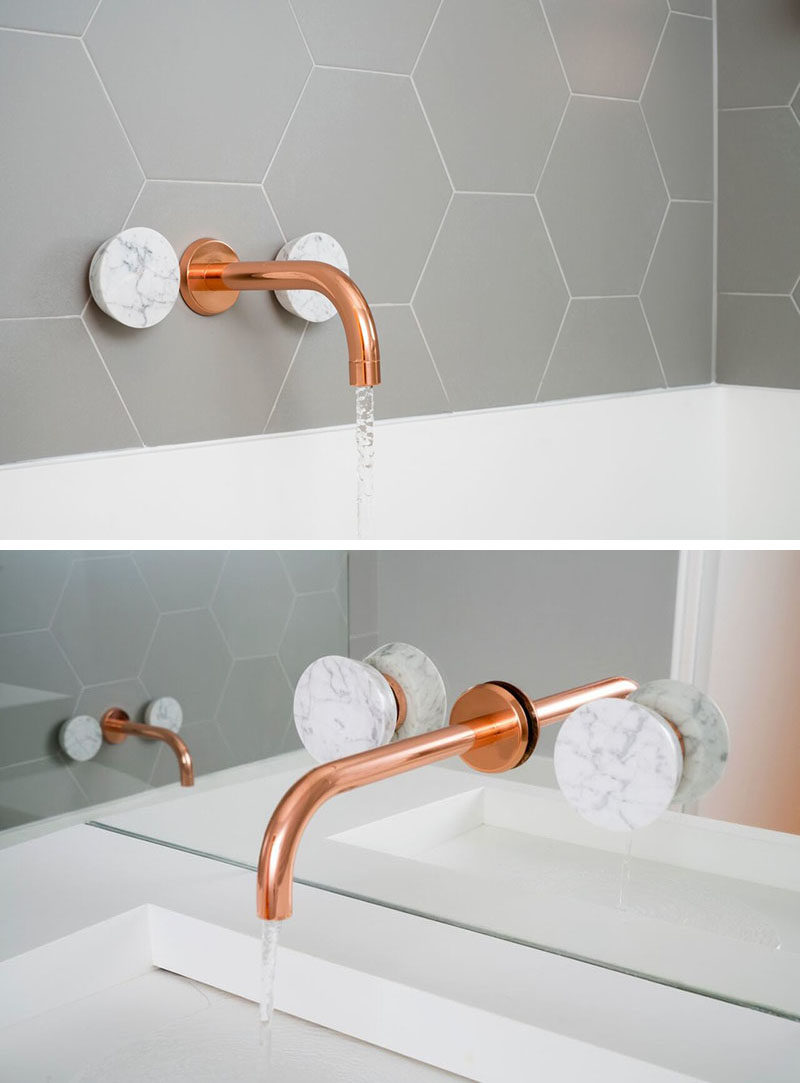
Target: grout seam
[(123, 129), (425, 39)]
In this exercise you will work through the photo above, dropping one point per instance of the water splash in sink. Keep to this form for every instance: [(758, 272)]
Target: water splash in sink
[(365, 452)]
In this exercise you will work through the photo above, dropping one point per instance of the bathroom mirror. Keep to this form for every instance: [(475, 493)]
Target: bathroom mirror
[(226, 634)]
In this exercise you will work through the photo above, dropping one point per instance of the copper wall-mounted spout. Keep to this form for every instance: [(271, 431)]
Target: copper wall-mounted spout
[(493, 727), (116, 725), (211, 277)]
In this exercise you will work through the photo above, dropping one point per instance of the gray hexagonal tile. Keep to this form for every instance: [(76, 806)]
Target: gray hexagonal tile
[(602, 197), (252, 602), (757, 341), (33, 660), (494, 91), (607, 46), (759, 196), (693, 7), (105, 619), (314, 569), (316, 392), (116, 769), (358, 198), (256, 709), (180, 579), (759, 52), (316, 627), (678, 293), (229, 134), (33, 791), (491, 334), (384, 37), (188, 659), (678, 104), (65, 17), (604, 348), (209, 749), (193, 377), (50, 371), (30, 586), (74, 175)]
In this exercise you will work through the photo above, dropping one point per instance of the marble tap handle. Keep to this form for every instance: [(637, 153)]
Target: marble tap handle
[(342, 706), (134, 277), (308, 304), (80, 737)]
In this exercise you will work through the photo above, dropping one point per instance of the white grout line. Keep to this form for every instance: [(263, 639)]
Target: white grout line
[(655, 246), (655, 347), (91, 18), (690, 14), (274, 406), (605, 97), (555, 45), (124, 224), (301, 32), (113, 382), (655, 55), (749, 108), (430, 354), (219, 183), (286, 126), (550, 356), (39, 33), (477, 192), (751, 293), (28, 319), (433, 136), (549, 154), (362, 71), (655, 152), (433, 245), (273, 213), (552, 245), (146, 655), (715, 187), (113, 108), (425, 39)]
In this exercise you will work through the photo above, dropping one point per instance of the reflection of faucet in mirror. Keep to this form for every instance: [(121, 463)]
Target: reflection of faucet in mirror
[(81, 737), (493, 727)]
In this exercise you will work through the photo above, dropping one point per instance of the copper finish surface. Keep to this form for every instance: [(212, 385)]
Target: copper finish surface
[(213, 275), (502, 753), (117, 726), (399, 698)]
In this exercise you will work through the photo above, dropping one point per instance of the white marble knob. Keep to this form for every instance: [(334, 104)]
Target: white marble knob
[(165, 712), (134, 277), (702, 726), (308, 304), (422, 684), (342, 706), (618, 763), (80, 737)]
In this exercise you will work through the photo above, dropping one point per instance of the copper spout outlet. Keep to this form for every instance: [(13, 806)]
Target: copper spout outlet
[(212, 276), (117, 726), (492, 726)]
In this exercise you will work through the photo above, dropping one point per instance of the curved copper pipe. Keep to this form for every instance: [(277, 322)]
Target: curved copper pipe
[(339, 288), (116, 726), (297, 806)]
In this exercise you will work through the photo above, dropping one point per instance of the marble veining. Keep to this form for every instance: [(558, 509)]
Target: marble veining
[(702, 725), (80, 737), (134, 277), (618, 763), (426, 699), (165, 712), (343, 706), (308, 304)]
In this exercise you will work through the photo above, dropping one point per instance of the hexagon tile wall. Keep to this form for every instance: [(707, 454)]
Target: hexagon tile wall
[(533, 136), (227, 634)]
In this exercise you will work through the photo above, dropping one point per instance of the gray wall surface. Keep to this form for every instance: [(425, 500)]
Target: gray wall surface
[(758, 322), (227, 634), (524, 190), (544, 621)]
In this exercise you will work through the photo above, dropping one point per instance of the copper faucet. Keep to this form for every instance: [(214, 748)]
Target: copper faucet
[(493, 727), (212, 276), (116, 725)]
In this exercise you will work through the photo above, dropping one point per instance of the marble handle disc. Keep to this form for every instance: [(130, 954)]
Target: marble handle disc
[(308, 304), (702, 726), (165, 712), (342, 706), (618, 763), (426, 700), (80, 737), (134, 277)]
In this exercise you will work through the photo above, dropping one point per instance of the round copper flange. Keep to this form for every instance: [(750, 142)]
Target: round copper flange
[(399, 698), (505, 752), (204, 252), (114, 714)]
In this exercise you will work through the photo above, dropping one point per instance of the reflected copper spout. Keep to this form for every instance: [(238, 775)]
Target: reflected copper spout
[(212, 276), (116, 726), (491, 741)]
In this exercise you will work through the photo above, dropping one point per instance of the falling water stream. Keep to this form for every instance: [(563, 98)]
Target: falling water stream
[(269, 959), (365, 452)]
